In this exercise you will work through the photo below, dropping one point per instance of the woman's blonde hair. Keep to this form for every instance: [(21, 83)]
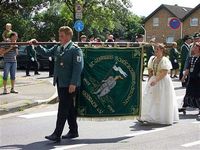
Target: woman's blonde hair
[(162, 47)]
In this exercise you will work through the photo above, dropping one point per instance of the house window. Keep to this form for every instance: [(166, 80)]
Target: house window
[(194, 22), (169, 39), (155, 22)]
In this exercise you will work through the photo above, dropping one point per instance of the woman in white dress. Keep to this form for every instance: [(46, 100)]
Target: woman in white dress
[(159, 103)]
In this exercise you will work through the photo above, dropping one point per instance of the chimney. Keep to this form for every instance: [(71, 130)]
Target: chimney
[(176, 5)]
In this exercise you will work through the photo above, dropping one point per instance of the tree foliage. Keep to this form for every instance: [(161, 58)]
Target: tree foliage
[(99, 16)]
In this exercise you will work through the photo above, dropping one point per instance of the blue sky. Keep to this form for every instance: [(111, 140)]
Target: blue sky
[(145, 7)]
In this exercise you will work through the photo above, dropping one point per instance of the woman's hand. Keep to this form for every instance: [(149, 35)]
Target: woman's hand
[(153, 83)]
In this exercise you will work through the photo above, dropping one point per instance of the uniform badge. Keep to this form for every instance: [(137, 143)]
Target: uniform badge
[(78, 58)]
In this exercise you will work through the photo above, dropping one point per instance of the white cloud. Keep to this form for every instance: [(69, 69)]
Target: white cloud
[(145, 7)]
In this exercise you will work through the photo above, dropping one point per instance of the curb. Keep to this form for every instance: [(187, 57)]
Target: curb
[(18, 107), (25, 104)]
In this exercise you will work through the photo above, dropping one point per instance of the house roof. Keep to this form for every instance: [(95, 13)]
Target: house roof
[(177, 11), (191, 12)]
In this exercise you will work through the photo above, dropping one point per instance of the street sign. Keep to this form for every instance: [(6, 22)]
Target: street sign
[(174, 23), (78, 8), (78, 15), (79, 25)]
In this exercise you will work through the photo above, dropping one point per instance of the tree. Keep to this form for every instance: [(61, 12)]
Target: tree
[(31, 20)]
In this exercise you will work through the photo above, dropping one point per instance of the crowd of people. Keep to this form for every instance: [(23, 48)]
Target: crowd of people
[(159, 104)]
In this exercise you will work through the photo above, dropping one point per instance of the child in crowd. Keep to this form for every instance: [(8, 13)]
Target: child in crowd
[(7, 32)]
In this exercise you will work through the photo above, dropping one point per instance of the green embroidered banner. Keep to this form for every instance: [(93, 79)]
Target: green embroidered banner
[(111, 82)]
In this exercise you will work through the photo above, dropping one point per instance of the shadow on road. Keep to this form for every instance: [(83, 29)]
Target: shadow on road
[(146, 127), (189, 116), (48, 145)]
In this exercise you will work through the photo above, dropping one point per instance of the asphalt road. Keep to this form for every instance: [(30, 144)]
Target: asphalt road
[(26, 130)]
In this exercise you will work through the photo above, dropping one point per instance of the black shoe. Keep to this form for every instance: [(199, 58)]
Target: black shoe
[(183, 110), (142, 121), (28, 75), (37, 73), (53, 137), (70, 136), (175, 76)]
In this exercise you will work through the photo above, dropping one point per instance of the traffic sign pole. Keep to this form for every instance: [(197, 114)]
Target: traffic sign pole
[(78, 25)]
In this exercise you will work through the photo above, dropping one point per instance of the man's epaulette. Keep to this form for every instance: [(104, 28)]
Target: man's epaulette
[(75, 45)]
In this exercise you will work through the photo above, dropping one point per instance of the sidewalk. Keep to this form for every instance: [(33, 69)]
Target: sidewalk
[(32, 92)]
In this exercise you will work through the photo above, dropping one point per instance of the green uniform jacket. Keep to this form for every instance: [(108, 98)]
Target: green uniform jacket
[(185, 49), (31, 53), (68, 64), (149, 52), (173, 54)]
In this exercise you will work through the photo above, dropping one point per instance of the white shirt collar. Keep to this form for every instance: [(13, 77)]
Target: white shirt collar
[(66, 44), (187, 44)]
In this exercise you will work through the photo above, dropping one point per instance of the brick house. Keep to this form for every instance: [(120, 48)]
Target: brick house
[(191, 22), (157, 23)]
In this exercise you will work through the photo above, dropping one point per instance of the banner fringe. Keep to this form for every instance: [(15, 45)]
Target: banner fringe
[(118, 118)]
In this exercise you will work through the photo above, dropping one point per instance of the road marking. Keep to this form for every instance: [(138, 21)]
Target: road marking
[(68, 147), (38, 115), (144, 132), (196, 122), (191, 144)]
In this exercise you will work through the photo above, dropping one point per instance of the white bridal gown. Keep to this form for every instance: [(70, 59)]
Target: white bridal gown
[(159, 104)]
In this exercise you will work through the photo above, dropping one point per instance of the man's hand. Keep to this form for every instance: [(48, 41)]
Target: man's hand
[(32, 41), (72, 88), (32, 59)]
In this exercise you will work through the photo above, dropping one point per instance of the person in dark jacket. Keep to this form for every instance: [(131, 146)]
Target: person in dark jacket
[(173, 57), (31, 60), (185, 52)]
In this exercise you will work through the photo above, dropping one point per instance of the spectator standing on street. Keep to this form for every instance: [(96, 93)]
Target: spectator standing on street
[(110, 38), (83, 38), (91, 38), (7, 32), (185, 52), (51, 59), (31, 60), (10, 63), (173, 57), (192, 96), (150, 49), (67, 76), (159, 103)]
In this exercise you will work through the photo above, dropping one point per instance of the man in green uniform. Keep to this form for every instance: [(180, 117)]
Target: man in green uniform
[(185, 51), (67, 76)]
